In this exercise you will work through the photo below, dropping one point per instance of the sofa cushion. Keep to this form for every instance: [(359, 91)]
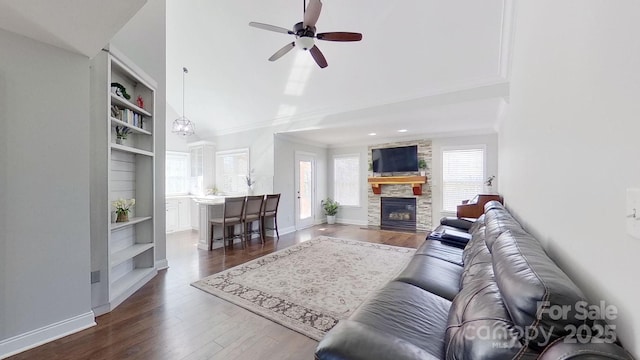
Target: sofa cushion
[(440, 250), (497, 221), (533, 287), (479, 325), (478, 266), (408, 313), (434, 275), (477, 224)]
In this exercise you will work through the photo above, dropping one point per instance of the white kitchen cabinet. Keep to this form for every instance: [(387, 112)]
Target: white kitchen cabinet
[(178, 214)]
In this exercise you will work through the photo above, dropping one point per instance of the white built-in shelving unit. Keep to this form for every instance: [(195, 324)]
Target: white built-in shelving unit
[(122, 254)]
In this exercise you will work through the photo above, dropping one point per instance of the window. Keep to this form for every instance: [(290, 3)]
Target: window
[(346, 179), (462, 176), (232, 168), (177, 173)]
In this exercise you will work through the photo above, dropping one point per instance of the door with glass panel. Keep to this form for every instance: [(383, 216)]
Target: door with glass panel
[(304, 190)]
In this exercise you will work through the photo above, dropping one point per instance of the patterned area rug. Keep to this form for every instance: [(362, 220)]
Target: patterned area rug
[(310, 286)]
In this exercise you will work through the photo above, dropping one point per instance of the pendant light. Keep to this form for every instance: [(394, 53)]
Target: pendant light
[(183, 126)]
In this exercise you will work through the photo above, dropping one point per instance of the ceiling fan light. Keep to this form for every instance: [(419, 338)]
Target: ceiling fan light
[(305, 42)]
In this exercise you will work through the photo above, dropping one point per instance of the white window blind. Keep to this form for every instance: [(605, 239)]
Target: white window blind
[(462, 176), (346, 179), (177, 173), (232, 168)]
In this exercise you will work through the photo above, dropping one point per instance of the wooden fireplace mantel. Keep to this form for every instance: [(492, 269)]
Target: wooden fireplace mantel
[(415, 182)]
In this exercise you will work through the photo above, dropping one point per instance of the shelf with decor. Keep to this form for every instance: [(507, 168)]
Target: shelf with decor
[(415, 182), (122, 253)]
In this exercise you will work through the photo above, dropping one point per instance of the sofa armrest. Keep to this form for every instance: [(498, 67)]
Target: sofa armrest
[(356, 341), (460, 223), (561, 350)]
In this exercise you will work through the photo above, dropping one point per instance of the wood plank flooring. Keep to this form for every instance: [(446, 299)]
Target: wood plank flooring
[(169, 319)]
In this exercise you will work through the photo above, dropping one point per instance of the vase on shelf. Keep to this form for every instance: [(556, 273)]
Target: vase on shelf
[(488, 189), (250, 191), (122, 217), (119, 140)]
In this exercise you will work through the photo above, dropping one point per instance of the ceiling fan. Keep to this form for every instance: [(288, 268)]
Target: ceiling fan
[(305, 33)]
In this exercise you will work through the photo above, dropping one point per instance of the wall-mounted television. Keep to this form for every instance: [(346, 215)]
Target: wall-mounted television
[(397, 159)]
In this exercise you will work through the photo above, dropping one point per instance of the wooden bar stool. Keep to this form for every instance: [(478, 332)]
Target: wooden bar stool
[(252, 212), (232, 214), (270, 209)]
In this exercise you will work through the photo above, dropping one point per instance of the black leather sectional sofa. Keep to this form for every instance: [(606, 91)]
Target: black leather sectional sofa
[(501, 297)]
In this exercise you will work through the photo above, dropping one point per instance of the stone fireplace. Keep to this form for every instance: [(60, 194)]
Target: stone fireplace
[(422, 203), (398, 213)]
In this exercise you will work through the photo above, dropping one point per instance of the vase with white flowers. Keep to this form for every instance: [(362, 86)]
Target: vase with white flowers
[(250, 182), (123, 208)]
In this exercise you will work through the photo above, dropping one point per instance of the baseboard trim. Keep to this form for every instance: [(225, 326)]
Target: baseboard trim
[(45, 334), (162, 264), (287, 230), (351, 222)]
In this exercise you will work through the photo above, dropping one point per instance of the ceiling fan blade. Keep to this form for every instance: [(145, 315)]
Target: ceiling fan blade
[(318, 57), (339, 36), (312, 13), (280, 53), (271, 28)]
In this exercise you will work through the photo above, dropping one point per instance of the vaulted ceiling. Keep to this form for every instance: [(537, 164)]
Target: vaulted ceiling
[(430, 66)]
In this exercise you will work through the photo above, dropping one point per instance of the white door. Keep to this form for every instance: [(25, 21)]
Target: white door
[(305, 188)]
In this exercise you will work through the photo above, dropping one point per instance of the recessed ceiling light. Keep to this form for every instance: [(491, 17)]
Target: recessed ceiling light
[(402, 130), (372, 134)]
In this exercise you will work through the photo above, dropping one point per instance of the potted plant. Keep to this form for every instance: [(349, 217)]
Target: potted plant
[(123, 208), (330, 208), (488, 184), (422, 165), (121, 134), (370, 169)]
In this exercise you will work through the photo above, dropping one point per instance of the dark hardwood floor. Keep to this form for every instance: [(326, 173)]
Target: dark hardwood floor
[(169, 319)]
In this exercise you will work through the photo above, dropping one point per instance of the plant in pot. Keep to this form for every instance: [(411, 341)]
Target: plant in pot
[(488, 184), (123, 208), (422, 165), (121, 134), (330, 208)]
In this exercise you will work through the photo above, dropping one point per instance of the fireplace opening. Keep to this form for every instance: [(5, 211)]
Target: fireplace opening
[(398, 213)]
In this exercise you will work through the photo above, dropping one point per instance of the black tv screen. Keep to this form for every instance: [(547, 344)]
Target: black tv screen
[(396, 159)]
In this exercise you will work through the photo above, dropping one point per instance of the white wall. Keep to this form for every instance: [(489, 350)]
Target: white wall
[(143, 40), (489, 141), (350, 214), (569, 142), (285, 148), (260, 145), (44, 193)]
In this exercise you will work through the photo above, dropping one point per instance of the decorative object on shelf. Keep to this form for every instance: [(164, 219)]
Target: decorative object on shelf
[(123, 207), (422, 165), (330, 208), (140, 102), (183, 126), (115, 112), (120, 90), (370, 169), (250, 182), (121, 134), (488, 184)]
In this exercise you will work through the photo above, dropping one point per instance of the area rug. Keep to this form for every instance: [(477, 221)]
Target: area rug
[(310, 286)]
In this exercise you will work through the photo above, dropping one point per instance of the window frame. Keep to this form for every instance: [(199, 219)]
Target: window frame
[(443, 149), (219, 157), (358, 180), (187, 174)]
